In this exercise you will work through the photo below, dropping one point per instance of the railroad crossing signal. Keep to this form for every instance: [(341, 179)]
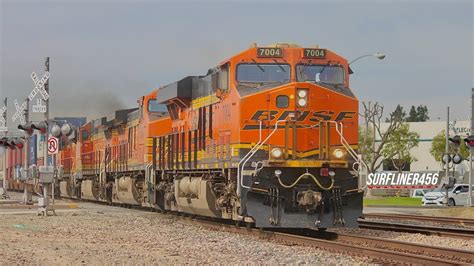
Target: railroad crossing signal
[(3, 122), (39, 87), (53, 145), (20, 112)]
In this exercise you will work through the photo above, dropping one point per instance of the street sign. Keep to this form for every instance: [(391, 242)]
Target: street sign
[(19, 112), (39, 86), (39, 107), (53, 145)]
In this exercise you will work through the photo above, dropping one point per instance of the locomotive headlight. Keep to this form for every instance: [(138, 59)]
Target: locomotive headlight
[(338, 153), (302, 93), (276, 153), (302, 102)]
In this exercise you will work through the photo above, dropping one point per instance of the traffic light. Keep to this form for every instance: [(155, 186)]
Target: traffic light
[(469, 141), (27, 128), (41, 126)]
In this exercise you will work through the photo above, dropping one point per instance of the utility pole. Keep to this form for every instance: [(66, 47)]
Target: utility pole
[(27, 196), (44, 207), (447, 155), (46, 115), (470, 150), (5, 162)]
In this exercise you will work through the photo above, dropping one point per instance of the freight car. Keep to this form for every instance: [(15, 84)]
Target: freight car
[(267, 137)]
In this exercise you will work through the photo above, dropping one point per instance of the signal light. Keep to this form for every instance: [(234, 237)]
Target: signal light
[(41, 126), (457, 159), (56, 131), (469, 141), (66, 129), (27, 128), (455, 141)]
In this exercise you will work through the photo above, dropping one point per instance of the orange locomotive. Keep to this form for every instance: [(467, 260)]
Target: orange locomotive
[(267, 137)]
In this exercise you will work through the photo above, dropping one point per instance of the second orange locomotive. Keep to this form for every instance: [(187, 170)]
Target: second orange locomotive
[(267, 137)]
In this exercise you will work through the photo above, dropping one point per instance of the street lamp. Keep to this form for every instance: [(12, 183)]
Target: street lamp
[(379, 56)]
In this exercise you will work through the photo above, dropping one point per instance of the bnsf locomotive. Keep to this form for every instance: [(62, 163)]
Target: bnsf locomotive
[(267, 137)]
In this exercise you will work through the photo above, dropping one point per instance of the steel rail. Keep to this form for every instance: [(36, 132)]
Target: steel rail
[(421, 229), (455, 255), (435, 219)]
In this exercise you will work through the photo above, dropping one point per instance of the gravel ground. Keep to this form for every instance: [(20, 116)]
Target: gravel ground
[(414, 238), (108, 235)]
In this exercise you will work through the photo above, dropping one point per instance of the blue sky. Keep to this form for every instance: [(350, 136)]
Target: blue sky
[(105, 54)]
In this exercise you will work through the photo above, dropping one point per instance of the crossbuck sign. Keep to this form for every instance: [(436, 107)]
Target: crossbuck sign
[(3, 123), (19, 112), (39, 87)]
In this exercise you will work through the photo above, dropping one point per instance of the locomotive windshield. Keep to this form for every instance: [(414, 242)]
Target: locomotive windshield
[(260, 73), (320, 73)]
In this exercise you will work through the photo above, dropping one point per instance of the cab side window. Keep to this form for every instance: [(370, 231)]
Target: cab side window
[(282, 101), (223, 78)]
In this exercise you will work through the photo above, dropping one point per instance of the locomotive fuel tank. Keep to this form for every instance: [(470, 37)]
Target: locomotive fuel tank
[(128, 190), (90, 190), (65, 189), (195, 195)]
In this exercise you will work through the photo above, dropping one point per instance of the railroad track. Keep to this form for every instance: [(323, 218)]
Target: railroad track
[(456, 256), (462, 233), (434, 219), (382, 250)]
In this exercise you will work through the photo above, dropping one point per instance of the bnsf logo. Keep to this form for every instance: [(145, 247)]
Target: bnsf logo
[(300, 116)]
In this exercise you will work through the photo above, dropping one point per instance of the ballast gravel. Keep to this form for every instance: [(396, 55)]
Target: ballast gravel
[(108, 235)]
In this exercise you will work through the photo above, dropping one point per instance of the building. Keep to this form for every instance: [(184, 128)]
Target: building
[(427, 131)]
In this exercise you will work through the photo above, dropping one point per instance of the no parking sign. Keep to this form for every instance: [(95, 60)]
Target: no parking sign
[(53, 145)]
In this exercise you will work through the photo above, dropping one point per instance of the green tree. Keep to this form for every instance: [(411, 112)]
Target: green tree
[(397, 115), (438, 147), (398, 146), (413, 115), (422, 113)]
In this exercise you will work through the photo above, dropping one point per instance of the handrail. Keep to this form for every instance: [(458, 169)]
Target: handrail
[(351, 151), (249, 155)]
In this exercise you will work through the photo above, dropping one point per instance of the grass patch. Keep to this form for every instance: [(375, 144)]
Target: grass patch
[(393, 201)]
